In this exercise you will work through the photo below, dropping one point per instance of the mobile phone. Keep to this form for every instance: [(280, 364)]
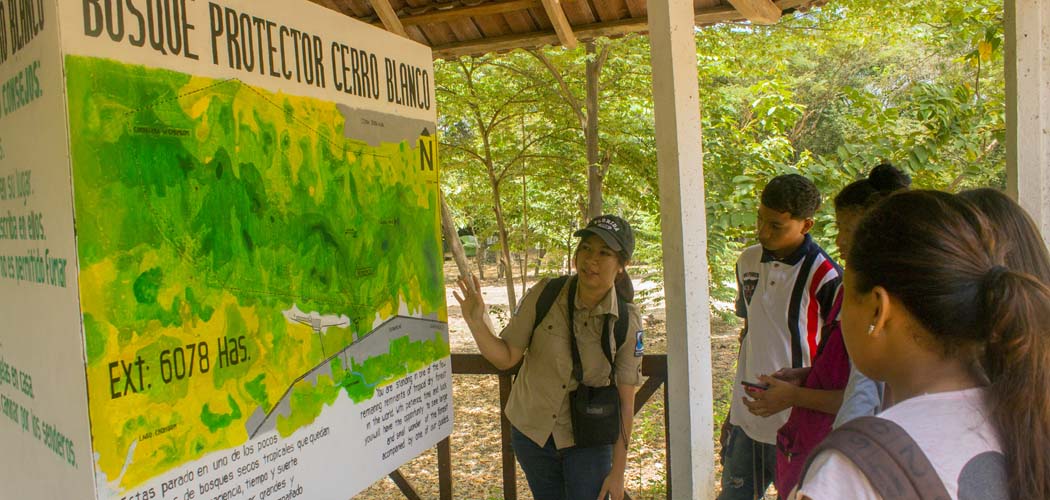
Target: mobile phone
[(754, 386)]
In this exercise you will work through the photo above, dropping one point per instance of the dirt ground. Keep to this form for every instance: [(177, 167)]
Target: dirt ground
[(476, 458)]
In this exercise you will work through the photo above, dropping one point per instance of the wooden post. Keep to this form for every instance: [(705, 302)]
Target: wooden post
[(510, 480), (680, 162), (1028, 107), (444, 453)]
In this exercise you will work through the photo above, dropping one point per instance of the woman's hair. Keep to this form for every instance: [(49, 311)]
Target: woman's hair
[(1014, 229), (882, 180), (936, 253)]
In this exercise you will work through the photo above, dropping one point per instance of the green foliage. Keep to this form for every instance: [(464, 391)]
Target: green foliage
[(828, 93)]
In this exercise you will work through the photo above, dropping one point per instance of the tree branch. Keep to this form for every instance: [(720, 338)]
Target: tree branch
[(566, 92)]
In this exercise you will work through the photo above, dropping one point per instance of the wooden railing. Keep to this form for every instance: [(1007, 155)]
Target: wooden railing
[(654, 366)]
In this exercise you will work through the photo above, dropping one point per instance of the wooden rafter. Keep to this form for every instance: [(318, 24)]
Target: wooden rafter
[(331, 4), (485, 9), (704, 16), (561, 23), (386, 13), (758, 11)]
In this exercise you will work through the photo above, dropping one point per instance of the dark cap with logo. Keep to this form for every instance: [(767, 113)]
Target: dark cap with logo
[(615, 231)]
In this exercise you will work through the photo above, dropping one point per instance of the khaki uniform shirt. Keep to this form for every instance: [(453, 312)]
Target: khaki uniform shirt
[(539, 400)]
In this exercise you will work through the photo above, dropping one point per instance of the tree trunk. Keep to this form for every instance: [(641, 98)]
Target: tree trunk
[(504, 243), (524, 217), (594, 173), (479, 256), (448, 228)]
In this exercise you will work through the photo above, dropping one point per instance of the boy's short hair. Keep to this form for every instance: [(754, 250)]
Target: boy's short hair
[(792, 193)]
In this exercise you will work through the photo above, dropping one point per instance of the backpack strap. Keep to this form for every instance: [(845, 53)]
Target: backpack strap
[(619, 329), (547, 297), (891, 460), (543, 306)]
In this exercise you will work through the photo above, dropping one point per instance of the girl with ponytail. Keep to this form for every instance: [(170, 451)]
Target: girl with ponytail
[(931, 308)]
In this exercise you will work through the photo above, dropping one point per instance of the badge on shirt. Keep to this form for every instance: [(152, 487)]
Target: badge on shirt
[(639, 347)]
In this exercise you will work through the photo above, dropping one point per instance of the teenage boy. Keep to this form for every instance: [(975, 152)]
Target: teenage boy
[(785, 291)]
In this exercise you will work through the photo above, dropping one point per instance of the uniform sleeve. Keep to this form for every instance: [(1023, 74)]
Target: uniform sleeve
[(833, 476), (741, 305), (518, 332), (629, 355)]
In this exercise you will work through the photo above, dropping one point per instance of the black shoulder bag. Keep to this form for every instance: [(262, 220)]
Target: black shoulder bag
[(595, 410)]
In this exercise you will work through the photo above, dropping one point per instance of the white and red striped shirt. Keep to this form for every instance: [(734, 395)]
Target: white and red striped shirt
[(786, 303)]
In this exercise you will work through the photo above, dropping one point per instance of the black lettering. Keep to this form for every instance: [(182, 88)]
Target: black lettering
[(186, 29), (270, 25), (389, 79), (247, 42), (113, 394), (319, 62), (171, 25), (295, 50), (115, 24), (355, 67), (140, 22), (215, 13), (233, 46), (335, 76), (93, 22), (305, 57), (155, 24), (259, 23), (284, 63)]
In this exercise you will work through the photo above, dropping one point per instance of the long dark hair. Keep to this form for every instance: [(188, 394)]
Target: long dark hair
[(1013, 228), (935, 253)]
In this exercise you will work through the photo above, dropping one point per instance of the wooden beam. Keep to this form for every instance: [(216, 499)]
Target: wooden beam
[(560, 22), (484, 9), (386, 13), (447, 15), (758, 11), (331, 5), (702, 17), (403, 485)]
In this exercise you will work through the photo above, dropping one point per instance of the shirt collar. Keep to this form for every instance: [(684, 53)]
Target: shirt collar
[(804, 249), (607, 305)]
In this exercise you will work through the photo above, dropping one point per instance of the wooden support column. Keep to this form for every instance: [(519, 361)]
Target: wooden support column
[(1028, 107), (683, 226)]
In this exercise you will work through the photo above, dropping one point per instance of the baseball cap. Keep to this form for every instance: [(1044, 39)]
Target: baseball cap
[(615, 231)]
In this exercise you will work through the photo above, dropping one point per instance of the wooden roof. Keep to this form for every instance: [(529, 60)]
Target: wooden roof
[(455, 28)]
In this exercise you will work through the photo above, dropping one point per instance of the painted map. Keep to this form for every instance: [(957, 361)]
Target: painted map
[(246, 259)]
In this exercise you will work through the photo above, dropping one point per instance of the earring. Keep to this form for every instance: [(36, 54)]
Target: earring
[(871, 328)]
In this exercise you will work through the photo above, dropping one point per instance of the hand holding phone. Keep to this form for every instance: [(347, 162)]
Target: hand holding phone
[(754, 386)]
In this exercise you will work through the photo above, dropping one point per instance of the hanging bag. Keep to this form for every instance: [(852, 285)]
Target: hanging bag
[(595, 410)]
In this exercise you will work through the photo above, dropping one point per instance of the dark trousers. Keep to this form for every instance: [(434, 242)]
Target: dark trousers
[(748, 467), (567, 474)]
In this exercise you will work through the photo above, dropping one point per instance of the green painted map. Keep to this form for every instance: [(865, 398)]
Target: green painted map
[(233, 243)]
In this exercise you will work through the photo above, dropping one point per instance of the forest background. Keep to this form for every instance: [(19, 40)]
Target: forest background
[(534, 143)]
